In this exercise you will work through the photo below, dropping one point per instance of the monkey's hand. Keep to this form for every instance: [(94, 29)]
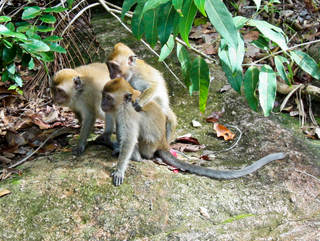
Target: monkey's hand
[(103, 140), (136, 106), (118, 177), (78, 150)]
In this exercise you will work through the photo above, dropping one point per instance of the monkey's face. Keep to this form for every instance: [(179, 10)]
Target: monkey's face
[(108, 102), (59, 96)]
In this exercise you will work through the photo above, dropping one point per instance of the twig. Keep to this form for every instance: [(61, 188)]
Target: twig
[(27, 157)]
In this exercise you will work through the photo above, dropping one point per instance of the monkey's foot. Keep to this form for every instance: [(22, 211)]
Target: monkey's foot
[(78, 150), (103, 140), (118, 177), (136, 106)]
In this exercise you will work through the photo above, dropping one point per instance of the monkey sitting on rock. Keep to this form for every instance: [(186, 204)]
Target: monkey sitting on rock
[(144, 134)]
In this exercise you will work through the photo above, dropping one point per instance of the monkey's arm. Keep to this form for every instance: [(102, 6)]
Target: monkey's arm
[(146, 96)]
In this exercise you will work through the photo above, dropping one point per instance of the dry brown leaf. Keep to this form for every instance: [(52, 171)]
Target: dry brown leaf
[(4, 192), (223, 131)]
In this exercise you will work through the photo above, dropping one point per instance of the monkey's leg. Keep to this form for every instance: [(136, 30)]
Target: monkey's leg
[(86, 129), (105, 138)]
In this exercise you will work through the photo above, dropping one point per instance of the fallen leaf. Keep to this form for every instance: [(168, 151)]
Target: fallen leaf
[(204, 212), (4, 192), (187, 147), (196, 123), (215, 116), (188, 140), (223, 131), (4, 160)]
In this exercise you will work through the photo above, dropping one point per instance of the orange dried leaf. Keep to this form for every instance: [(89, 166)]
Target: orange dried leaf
[(223, 131)]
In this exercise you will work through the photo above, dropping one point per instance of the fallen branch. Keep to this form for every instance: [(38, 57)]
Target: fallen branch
[(306, 89)]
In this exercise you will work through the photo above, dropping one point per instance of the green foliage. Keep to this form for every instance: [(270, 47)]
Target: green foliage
[(164, 19), (21, 42)]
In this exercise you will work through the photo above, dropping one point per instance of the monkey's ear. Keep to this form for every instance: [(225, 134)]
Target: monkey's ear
[(77, 83), (132, 59), (127, 98), (114, 70)]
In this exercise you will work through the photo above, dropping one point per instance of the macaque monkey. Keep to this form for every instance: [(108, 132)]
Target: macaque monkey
[(143, 134), (123, 62), (80, 90)]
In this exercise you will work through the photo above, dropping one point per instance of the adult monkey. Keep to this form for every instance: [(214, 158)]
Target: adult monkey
[(80, 90), (144, 134), (123, 62)]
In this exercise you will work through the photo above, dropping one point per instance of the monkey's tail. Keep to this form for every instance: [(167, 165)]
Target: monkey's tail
[(217, 174)]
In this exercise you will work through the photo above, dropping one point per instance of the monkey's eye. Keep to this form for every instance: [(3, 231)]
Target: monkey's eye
[(109, 97)]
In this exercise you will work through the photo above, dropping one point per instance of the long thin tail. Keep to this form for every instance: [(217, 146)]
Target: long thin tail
[(217, 174)]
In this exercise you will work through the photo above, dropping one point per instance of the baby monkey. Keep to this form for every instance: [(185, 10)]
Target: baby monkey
[(143, 134), (123, 62)]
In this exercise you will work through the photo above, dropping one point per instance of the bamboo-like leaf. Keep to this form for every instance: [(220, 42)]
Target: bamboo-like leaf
[(153, 4), (178, 5), (150, 23), (270, 31), (189, 11), (201, 6), (222, 20), (200, 78), (166, 18), (250, 82), (31, 12), (306, 63), (267, 89), (184, 59), (261, 43), (126, 6), (137, 20), (279, 60), (167, 49), (239, 21), (258, 3)]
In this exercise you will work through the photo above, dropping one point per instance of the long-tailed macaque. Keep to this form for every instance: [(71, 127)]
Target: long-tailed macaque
[(144, 134), (80, 90), (123, 62)]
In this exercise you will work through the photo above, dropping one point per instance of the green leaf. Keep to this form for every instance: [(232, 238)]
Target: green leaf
[(178, 6), (267, 89), (7, 33), (31, 64), (200, 21), (261, 43), (150, 23), (167, 49), (70, 2), (250, 82), (306, 63), (258, 3), (166, 17), (236, 55), (48, 18), (126, 6), (184, 59), (279, 60), (137, 20), (270, 31), (17, 79), (9, 54), (55, 9), (222, 20), (7, 44), (239, 21), (47, 56), (45, 29), (53, 38), (57, 48), (25, 60), (153, 4), (200, 78), (5, 76), (11, 68), (11, 27), (200, 5), (35, 46), (4, 19), (234, 78), (31, 12), (189, 11), (23, 29)]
